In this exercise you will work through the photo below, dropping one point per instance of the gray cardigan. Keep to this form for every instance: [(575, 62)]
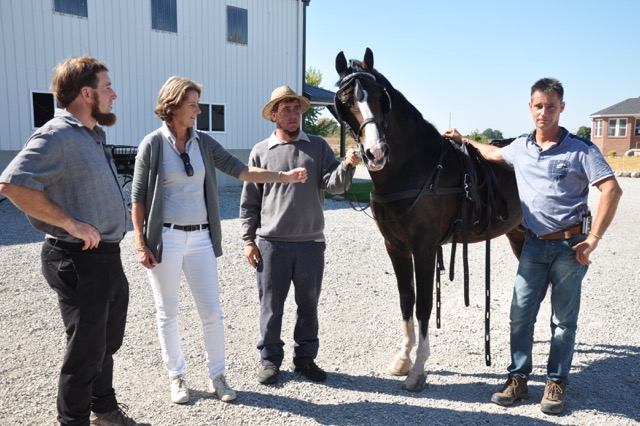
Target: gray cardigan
[(147, 185)]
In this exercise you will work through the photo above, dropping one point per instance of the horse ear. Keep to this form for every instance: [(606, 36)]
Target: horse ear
[(341, 64), (367, 63)]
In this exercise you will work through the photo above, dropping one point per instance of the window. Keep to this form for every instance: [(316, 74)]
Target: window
[(212, 118), (71, 7), (637, 132), (164, 15), (597, 127), (42, 106), (237, 26), (617, 127)]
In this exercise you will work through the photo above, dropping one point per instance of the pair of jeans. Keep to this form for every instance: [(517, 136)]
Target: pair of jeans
[(191, 253), (545, 263), (283, 263), (93, 294)]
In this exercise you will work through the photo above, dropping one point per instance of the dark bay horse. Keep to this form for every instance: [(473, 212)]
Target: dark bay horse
[(421, 183)]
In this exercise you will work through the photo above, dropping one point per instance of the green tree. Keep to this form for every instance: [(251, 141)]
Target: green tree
[(327, 127), (313, 123), (477, 136), (492, 134), (584, 132)]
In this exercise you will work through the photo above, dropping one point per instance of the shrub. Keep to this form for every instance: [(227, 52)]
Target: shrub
[(612, 153)]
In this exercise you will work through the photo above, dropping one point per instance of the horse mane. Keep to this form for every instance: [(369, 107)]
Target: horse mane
[(400, 103)]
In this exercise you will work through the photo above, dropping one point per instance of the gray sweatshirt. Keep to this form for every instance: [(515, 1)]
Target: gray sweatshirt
[(291, 212)]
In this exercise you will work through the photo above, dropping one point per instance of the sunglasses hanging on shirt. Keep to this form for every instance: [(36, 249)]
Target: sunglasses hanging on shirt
[(188, 168)]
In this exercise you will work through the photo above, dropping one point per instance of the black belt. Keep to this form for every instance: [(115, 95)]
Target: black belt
[(187, 228), (77, 246)]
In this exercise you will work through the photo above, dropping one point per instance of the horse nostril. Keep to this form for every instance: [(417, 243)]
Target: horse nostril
[(385, 148)]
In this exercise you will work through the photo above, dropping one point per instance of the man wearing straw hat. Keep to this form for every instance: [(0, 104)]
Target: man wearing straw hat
[(283, 228)]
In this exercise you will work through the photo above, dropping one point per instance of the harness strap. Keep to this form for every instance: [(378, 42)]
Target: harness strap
[(410, 193), (439, 272), (487, 291)]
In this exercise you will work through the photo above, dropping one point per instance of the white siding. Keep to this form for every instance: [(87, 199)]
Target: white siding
[(34, 39)]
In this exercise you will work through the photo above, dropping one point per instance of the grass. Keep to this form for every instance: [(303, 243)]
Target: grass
[(358, 191), (624, 164)]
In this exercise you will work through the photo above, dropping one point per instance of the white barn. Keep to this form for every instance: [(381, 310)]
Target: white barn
[(239, 50)]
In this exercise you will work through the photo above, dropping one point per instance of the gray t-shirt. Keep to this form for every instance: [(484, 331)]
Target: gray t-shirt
[(554, 184), (72, 166)]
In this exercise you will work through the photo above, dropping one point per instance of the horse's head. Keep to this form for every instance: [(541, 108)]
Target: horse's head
[(363, 104)]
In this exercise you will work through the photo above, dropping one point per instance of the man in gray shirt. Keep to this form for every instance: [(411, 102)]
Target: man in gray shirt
[(65, 180), (289, 221)]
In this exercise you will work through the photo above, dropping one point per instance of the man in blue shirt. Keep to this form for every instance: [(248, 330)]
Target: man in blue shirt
[(554, 170)]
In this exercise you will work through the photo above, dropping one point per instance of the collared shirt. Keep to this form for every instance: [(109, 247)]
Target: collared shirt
[(181, 190), (553, 184), (72, 166), (148, 187), (275, 140)]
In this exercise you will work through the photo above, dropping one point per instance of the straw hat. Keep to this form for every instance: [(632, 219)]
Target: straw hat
[(281, 93)]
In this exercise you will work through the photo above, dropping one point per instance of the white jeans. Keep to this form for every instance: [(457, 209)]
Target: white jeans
[(191, 253)]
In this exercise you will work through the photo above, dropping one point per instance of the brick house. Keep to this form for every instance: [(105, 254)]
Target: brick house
[(617, 128)]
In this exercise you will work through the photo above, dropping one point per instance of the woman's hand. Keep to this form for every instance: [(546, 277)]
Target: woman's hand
[(297, 175), (146, 258)]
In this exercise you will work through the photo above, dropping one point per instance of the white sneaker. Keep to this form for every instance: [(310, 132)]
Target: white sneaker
[(222, 390), (179, 390)]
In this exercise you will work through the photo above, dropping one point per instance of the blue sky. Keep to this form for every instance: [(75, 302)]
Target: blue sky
[(472, 63)]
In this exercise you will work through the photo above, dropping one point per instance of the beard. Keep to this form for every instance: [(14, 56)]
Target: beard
[(291, 134), (103, 118)]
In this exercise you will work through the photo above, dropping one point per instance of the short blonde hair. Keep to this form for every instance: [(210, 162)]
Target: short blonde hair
[(172, 95)]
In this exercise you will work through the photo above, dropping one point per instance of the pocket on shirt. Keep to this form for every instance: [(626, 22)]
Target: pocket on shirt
[(558, 169)]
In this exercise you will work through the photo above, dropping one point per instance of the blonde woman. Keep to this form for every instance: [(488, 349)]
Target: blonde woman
[(177, 226)]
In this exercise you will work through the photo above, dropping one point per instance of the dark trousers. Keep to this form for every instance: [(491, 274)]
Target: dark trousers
[(93, 294), (283, 263)]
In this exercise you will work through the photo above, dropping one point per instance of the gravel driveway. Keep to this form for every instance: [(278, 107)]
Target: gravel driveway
[(360, 333)]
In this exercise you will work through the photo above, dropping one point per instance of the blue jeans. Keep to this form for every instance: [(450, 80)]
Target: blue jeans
[(544, 263)]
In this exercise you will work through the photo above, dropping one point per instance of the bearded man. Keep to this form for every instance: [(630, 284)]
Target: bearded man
[(65, 180)]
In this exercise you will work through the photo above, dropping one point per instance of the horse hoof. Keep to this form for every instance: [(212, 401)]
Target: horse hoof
[(400, 367), (415, 382)]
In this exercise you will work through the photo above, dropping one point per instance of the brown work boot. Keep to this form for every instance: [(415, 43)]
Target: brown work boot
[(514, 389), (553, 399)]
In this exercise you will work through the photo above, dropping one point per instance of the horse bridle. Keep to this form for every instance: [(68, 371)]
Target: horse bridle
[(342, 85)]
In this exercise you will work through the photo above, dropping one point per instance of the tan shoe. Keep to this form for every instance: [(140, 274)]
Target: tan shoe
[(222, 390), (116, 417), (553, 399), (514, 389)]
